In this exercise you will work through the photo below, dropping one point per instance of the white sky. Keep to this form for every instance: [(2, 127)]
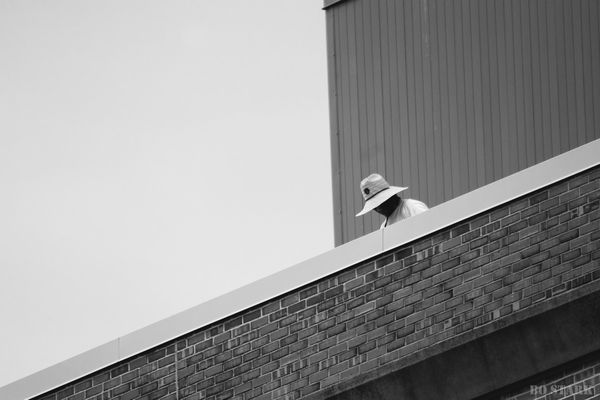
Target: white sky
[(153, 155)]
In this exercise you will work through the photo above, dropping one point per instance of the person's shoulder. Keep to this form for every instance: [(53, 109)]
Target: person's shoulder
[(416, 205)]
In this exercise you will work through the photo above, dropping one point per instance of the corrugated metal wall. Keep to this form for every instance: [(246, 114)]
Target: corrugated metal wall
[(445, 96)]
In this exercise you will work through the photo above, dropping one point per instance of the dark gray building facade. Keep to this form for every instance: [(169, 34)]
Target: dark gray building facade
[(445, 96)]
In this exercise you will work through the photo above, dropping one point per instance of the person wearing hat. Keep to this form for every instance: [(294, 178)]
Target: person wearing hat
[(384, 199)]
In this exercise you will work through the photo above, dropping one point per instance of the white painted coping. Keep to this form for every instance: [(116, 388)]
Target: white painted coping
[(455, 210)]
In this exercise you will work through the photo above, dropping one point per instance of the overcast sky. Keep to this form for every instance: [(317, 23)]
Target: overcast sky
[(153, 155)]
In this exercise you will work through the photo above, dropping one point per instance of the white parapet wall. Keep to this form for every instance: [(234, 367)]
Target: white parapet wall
[(368, 246)]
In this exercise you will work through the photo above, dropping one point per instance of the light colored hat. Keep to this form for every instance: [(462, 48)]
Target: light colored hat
[(375, 190)]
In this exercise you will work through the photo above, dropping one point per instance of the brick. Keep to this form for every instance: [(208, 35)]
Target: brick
[(82, 386), (492, 227), (288, 340), (569, 196), (518, 246), (326, 284), (240, 331), (391, 268), (421, 265), (452, 283), (499, 213), (530, 251), (362, 290), (383, 261), (492, 306), (443, 316), (577, 222), (65, 393), (571, 255), (549, 244), (479, 242), (511, 219), (450, 244), (519, 205), (232, 323), (314, 300), (471, 235), (568, 236), (439, 258), (422, 284), (499, 234), (576, 203), (492, 247), (536, 219), (216, 330), (308, 292), (403, 253), (440, 237), (429, 272), (537, 238), (294, 298), (451, 264), (330, 295), (537, 198), (559, 250), (550, 203), (492, 287), (421, 245), (426, 303), (459, 230), (405, 331), (279, 314), (530, 211), (256, 324), (500, 293), (471, 255), (472, 274), (555, 211), (372, 276), (294, 308), (465, 287), (382, 282), (558, 188), (502, 252), (578, 181), (510, 239), (593, 206), (541, 276), (156, 355), (582, 261), (120, 370), (443, 276), (454, 302)]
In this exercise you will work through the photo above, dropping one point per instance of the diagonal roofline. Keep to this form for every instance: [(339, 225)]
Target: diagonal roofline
[(330, 3), (299, 275)]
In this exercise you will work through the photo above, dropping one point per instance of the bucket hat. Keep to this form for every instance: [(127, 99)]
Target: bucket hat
[(375, 191)]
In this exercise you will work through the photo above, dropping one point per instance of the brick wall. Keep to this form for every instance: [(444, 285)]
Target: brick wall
[(579, 382), (387, 312)]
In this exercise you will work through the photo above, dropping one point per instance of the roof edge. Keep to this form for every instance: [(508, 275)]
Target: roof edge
[(330, 3), (299, 275)]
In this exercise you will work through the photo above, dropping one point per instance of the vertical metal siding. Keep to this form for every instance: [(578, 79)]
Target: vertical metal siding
[(338, 220), (445, 96)]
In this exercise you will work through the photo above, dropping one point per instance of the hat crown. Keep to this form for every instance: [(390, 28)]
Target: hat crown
[(372, 185)]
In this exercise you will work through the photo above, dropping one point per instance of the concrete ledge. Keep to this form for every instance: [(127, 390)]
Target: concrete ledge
[(494, 194), (326, 264)]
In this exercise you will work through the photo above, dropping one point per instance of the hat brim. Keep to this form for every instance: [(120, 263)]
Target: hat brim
[(380, 198)]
